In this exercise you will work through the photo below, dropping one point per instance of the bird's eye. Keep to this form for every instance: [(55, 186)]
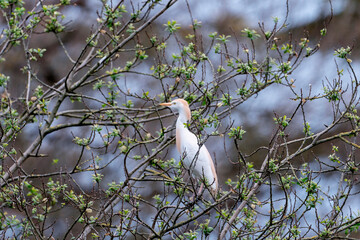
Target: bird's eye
[(174, 103)]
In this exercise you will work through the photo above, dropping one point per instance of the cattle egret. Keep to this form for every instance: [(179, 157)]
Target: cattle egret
[(198, 161)]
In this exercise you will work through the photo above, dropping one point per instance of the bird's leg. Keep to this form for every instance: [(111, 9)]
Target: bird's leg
[(197, 195), (201, 188)]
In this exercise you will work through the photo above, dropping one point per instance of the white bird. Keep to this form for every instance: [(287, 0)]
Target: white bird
[(199, 162)]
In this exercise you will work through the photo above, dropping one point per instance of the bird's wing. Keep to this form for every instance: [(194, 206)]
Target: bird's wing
[(203, 164), (208, 166), (212, 166)]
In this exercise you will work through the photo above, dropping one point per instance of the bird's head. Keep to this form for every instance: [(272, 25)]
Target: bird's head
[(181, 106)]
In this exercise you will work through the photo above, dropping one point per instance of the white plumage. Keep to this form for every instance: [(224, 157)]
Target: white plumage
[(198, 162)]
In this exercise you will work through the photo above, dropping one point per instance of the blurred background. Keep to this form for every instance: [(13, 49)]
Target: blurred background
[(229, 17)]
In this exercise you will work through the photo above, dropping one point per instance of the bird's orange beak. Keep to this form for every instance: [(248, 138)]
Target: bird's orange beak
[(165, 104)]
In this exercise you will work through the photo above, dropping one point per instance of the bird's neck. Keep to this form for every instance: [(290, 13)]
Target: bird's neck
[(181, 125), (181, 122)]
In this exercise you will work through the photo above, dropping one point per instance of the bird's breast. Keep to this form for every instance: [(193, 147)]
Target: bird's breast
[(187, 145)]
